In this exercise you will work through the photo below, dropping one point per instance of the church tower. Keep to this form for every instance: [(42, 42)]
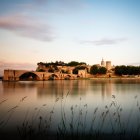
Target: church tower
[(103, 63)]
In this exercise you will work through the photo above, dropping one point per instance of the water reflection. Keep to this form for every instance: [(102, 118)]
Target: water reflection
[(59, 88), (43, 89), (94, 93), (17, 87)]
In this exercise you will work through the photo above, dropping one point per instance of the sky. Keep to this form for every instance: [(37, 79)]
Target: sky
[(33, 31)]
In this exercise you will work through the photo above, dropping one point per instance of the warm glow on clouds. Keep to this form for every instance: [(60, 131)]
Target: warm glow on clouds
[(27, 26)]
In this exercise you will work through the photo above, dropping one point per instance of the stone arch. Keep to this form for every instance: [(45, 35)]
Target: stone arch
[(67, 77), (29, 76), (53, 77)]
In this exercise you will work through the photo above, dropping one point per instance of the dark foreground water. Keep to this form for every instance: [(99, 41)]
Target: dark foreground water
[(66, 109)]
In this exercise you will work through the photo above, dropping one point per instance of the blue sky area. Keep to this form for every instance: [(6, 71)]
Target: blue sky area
[(82, 30)]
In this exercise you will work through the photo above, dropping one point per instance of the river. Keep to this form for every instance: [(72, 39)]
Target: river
[(72, 99)]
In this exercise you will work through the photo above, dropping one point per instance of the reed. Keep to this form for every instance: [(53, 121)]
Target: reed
[(106, 123)]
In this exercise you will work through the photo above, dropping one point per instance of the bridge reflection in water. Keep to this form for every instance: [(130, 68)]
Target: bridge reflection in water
[(59, 87)]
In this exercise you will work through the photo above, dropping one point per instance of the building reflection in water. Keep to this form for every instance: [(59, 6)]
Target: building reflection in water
[(74, 88), (59, 88), (104, 87)]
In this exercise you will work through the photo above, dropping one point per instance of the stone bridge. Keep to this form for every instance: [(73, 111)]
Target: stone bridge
[(16, 75)]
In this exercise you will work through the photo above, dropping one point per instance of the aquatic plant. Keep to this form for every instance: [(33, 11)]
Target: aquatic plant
[(105, 123)]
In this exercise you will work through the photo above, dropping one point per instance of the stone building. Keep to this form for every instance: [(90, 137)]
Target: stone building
[(82, 73), (102, 63), (108, 65)]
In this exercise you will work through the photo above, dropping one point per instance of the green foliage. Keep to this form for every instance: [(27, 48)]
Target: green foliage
[(61, 63), (56, 63), (102, 70), (127, 70), (97, 70), (51, 70), (94, 70), (75, 63)]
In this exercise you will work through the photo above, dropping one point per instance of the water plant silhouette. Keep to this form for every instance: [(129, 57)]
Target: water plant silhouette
[(104, 123)]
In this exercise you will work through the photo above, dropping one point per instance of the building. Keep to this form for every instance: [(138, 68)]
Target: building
[(108, 65), (82, 73), (102, 63)]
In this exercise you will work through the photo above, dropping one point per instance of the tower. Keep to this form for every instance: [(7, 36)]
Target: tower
[(108, 65), (103, 63)]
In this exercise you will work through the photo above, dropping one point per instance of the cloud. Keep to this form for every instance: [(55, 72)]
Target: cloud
[(27, 26), (103, 41), (10, 65)]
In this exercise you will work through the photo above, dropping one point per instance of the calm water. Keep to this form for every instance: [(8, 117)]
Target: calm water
[(30, 100)]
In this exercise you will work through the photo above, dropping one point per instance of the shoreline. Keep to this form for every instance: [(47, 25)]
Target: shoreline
[(115, 78), (93, 78)]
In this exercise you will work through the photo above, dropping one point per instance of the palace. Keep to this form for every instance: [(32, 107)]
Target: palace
[(55, 72)]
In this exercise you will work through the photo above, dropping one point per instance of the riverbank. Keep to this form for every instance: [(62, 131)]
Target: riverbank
[(115, 77), (85, 78), (127, 78)]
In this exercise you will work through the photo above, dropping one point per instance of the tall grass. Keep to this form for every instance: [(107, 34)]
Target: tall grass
[(105, 123)]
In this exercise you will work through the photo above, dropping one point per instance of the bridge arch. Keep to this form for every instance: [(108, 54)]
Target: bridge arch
[(67, 77), (53, 77), (29, 76)]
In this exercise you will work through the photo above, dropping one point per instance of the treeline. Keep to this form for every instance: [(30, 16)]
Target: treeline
[(61, 63), (97, 70), (53, 66), (93, 70), (127, 70)]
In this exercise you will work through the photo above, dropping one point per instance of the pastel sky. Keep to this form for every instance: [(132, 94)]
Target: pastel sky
[(33, 31)]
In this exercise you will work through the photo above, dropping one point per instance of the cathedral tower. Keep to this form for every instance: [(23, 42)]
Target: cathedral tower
[(103, 63)]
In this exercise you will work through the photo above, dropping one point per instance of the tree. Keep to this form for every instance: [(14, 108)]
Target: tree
[(51, 69), (119, 70), (75, 63), (139, 70), (94, 69), (127, 70), (102, 70)]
